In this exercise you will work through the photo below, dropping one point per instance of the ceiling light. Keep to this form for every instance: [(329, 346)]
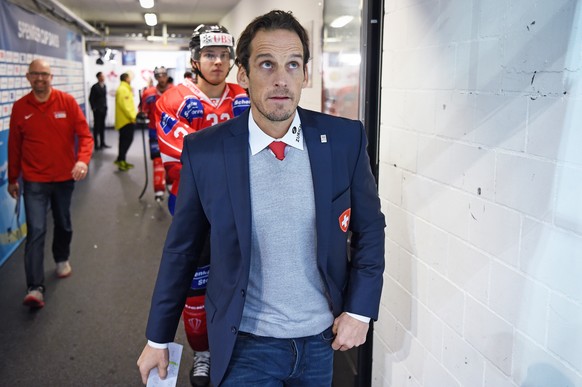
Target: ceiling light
[(341, 21), (151, 19), (146, 3)]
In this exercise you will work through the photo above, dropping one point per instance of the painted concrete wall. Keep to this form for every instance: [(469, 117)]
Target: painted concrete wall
[(481, 182)]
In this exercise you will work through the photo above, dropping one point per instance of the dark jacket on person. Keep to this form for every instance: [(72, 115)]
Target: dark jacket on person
[(215, 190), (98, 98)]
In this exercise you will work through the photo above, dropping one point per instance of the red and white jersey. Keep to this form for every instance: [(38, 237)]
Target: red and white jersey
[(186, 109), (149, 98)]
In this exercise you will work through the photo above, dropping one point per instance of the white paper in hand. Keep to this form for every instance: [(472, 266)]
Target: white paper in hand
[(175, 352)]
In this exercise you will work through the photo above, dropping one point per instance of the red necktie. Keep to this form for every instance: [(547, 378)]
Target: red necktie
[(278, 148)]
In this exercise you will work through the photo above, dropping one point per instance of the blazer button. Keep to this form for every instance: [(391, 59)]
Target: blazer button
[(242, 292), (233, 330)]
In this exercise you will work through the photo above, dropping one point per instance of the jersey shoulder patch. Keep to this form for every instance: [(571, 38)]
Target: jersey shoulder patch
[(240, 104), (191, 109)]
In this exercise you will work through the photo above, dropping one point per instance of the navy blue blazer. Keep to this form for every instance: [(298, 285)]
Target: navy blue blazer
[(214, 192)]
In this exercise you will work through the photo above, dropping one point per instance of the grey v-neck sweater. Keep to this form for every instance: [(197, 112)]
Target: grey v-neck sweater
[(286, 296)]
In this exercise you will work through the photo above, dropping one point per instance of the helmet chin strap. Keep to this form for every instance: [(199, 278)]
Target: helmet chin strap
[(199, 74)]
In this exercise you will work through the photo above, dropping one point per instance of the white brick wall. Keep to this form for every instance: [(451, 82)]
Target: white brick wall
[(481, 183)]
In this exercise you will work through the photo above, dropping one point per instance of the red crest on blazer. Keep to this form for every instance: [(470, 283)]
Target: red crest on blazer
[(344, 219)]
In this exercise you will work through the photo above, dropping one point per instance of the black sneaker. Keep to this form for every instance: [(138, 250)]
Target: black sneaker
[(200, 372)]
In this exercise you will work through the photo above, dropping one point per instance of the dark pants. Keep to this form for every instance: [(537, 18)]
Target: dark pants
[(125, 140), (99, 128), (38, 198), (269, 362)]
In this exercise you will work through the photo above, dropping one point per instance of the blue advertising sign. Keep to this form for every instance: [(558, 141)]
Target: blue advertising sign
[(25, 32)]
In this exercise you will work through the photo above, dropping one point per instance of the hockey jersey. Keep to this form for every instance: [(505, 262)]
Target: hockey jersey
[(186, 109), (148, 102)]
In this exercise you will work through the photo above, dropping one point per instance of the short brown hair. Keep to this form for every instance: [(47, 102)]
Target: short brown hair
[(274, 20)]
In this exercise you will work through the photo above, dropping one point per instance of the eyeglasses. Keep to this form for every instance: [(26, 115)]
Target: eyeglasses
[(37, 74), (211, 57)]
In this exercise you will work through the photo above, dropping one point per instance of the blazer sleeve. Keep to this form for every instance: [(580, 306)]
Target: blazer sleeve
[(180, 256), (367, 241)]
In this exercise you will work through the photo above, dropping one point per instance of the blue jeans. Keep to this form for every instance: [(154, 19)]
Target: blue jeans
[(38, 197), (269, 362)]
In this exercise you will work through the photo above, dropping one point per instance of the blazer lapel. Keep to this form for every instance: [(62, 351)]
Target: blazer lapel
[(319, 148), (236, 155)]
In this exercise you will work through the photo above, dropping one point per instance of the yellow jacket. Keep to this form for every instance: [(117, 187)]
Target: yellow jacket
[(125, 111)]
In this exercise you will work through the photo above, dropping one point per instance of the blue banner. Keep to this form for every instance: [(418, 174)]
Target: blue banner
[(23, 37), (25, 32)]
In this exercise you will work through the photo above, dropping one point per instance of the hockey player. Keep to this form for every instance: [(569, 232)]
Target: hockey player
[(184, 109), (148, 106)]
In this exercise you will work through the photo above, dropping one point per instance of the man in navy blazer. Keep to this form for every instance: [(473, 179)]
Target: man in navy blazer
[(285, 288)]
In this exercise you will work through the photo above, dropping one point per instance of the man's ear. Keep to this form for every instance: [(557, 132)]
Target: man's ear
[(305, 76), (242, 78)]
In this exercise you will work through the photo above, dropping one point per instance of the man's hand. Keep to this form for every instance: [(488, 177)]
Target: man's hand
[(14, 190), (349, 332), (151, 358), (79, 171)]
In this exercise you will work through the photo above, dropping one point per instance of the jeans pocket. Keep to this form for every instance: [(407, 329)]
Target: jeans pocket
[(327, 335)]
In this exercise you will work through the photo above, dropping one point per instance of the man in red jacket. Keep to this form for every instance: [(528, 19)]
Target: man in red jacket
[(41, 150)]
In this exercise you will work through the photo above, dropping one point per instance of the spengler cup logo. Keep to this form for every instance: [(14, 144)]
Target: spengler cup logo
[(344, 219), (215, 39)]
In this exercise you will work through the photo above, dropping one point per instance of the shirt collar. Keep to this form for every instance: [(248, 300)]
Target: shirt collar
[(259, 140)]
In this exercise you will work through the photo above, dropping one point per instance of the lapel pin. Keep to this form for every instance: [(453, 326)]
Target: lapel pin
[(323, 138)]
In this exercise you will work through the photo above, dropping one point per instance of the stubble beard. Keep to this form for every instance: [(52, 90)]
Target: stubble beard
[(40, 89), (277, 116)]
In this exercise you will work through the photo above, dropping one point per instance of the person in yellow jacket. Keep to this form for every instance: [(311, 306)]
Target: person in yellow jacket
[(125, 114)]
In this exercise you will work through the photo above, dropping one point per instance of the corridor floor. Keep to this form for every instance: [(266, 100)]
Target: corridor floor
[(91, 330)]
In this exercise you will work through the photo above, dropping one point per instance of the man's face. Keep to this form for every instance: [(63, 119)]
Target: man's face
[(214, 64), (162, 78), (40, 77), (276, 75), (101, 78)]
